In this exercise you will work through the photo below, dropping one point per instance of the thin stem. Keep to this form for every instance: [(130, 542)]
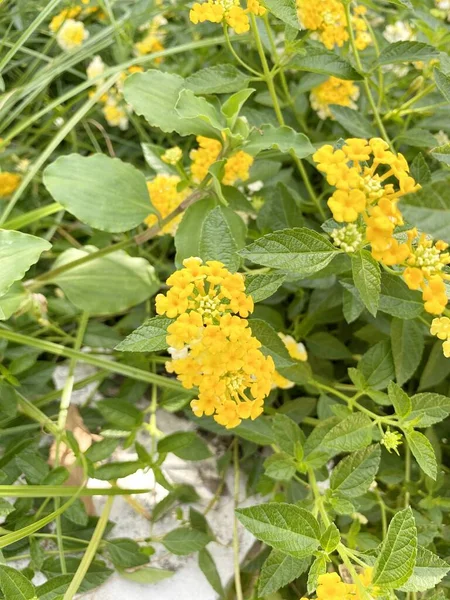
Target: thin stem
[(372, 103), (236, 55), (268, 78), (407, 473), (237, 566)]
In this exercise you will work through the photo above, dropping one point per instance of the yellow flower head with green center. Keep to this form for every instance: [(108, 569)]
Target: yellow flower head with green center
[(333, 91), (328, 21), (172, 156), (166, 198), (9, 182), (391, 440), (211, 344)]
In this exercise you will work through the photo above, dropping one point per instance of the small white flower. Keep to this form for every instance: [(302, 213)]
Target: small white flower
[(256, 186), (96, 67), (58, 122), (398, 32), (71, 34), (441, 137), (177, 354)]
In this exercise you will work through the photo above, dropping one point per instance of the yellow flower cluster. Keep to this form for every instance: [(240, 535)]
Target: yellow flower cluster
[(365, 195), (297, 351), (328, 20), (236, 167), (165, 198), (228, 11), (153, 38), (71, 34), (9, 182), (114, 109), (441, 328), (331, 587), (333, 91), (212, 346)]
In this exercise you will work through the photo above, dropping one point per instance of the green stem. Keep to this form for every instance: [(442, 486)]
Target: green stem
[(237, 566), (370, 98), (32, 216), (407, 473), (236, 55), (268, 78), (90, 551), (101, 363)]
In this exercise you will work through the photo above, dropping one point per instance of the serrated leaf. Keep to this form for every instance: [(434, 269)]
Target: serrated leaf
[(264, 285), (352, 433), (18, 252), (54, 588), (285, 527), (218, 79), (120, 413), (222, 234), (428, 409), (395, 563), (436, 369), (420, 138), (423, 452), (428, 208), (354, 474), (16, 586), (318, 568), (442, 153), (330, 538), (184, 444), (284, 139), (406, 52), (125, 553), (288, 435), (400, 400), (377, 365), (272, 344), (398, 300), (149, 337), (183, 541), (407, 345), (103, 192), (279, 570), (296, 250), (107, 285), (443, 83), (280, 467), (283, 10), (281, 209), (419, 169), (367, 278), (319, 60), (352, 121), (429, 570), (209, 570)]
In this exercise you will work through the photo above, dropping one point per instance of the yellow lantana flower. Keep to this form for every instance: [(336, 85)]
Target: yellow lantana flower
[(9, 182), (333, 91), (165, 198), (71, 34)]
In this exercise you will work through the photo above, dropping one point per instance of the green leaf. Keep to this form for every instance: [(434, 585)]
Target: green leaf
[(354, 474), (401, 3), (209, 570), (5, 508), (281, 209), (406, 52), (443, 83), (116, 470), (149, 337), (155, 94), (352, 433), (101, 450), (280, 467), (428, 208), (120, 413), (184, 444), (396, 560), (318, 568), (437, 367), (352, 121), (76, 513), (8, 401), (397, 300), (330, 538), (271, 343), (428, 409), (14, 298), (420, 138), (218, 79), (32, 466), (400, 400), (419, 170), (288, 435), (258, 431), (325, 345), (223, 233), (106, 285), (198, 110), (18, 251), (442, 153), (285, 527), (377, 365), (283, 10), (263, 285), (16, 586), (367, 278), (189, 232), (54, 588), (125, 553), (429, 570), (296, 250), (184, 541), (423, 452), (97, 573), (278, 570), (146, 575), (284, 139), (319, 60), (407, 345), (103, 192)]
